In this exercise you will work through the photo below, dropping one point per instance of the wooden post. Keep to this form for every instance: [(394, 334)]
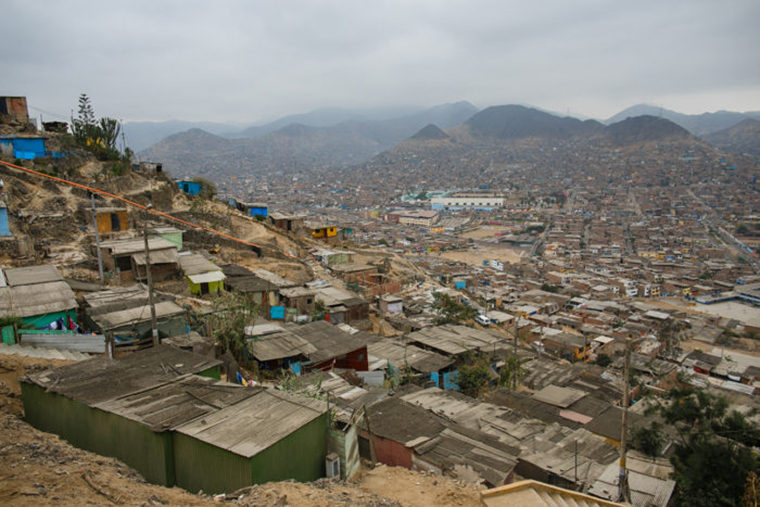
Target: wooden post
[(149, 276)]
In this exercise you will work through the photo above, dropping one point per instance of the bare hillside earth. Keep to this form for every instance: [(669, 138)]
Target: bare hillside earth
[(41, 469)]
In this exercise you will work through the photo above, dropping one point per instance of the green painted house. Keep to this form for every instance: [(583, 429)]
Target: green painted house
[(203, 276), (37, 295), (164, 412)]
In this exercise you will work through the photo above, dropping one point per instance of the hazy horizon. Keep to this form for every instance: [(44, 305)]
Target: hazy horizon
[(243, 63)]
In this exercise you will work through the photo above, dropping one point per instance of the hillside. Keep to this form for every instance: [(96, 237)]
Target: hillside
[(643, 129), (430, 132), (743, 137), (517, 122)]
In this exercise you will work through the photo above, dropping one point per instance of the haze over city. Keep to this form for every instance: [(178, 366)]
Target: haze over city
[(251, 62)]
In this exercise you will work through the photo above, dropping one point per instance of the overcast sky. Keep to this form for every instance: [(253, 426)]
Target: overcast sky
[(251, 61)]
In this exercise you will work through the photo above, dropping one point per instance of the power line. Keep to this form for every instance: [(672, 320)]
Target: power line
[(139, 206)]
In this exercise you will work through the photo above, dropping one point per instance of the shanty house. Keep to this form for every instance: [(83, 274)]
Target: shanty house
[(190, 187), (259, 291), (403, 434), (39, 296), (25, 148), (203, 276), (78, 403), (176, 427), (14, 109), (342, 306), (126, 258), (126, 313), (314, 346), (285, 221), (111, 220), (319, 231), (299, 299), (253, 209)]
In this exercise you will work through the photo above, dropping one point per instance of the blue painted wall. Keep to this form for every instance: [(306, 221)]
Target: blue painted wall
[(189, 187), (257, 211), (26, 148), (5, 229)]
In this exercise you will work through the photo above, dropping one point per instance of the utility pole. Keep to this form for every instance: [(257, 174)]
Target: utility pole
[(623, 493), (517, 362), (149, 276), (575, 468), (97, 237)]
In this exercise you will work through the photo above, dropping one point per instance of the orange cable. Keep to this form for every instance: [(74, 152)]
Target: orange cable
[(136, 205)]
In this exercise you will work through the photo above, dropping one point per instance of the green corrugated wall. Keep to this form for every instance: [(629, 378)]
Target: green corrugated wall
[(148, 452), (299, 456)]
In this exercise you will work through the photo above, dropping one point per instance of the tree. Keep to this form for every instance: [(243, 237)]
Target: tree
[(231, 314), (97, 136), (603, 360), (109, 132), (671, 334), (648, 440), (450, 310), (474, 375), (711, 460), (512, 372)]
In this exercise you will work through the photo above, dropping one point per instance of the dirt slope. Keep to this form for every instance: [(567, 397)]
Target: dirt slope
[(41, 469)]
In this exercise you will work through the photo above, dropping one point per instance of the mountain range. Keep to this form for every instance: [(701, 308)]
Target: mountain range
[(288, 145)]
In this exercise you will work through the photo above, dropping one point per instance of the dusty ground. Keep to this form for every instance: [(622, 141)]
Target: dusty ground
[(488, 231), (476, 257), (41, 469)]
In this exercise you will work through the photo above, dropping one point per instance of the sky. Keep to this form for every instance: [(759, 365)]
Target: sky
[(249, 61)]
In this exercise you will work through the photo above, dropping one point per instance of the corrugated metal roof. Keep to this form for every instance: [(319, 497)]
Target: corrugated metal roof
[(136, 315), (166, 256), (279, 345), (255, 423), (88, 343), (214, 276), (38, 299), (32, 274), (454, 339), (196, 264), (169, 405), (99, 379), (559, 396), (130, 246), (400, 355), (274, 278)]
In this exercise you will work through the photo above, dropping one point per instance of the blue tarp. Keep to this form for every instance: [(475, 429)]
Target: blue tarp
[(277, 313)]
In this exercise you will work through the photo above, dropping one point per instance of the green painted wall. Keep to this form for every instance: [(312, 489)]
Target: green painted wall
[(148, 452), (299, 456), (46, 318), (213, 287), (201, 466), (173, 237), (214, 372), (8, 335)]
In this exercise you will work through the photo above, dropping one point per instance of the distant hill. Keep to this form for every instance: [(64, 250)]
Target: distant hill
[(643, 129), (697, 124), (142, 134), (430, 132), (299, 146), (517, 122), (743, 137)]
